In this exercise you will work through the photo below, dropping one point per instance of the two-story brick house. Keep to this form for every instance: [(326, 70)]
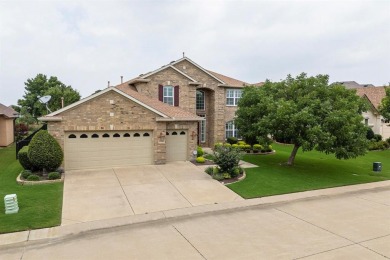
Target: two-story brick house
[(157, 117)]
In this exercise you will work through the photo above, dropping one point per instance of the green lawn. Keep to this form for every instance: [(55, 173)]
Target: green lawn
[(39, 205), (312, 170)]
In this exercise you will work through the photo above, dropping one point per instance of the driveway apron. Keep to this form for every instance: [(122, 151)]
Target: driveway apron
[(117, 192)]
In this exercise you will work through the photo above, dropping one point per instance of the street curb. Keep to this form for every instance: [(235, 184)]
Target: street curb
[(60, 233)]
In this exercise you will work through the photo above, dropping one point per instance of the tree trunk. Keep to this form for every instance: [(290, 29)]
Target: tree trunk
[(291, 159)]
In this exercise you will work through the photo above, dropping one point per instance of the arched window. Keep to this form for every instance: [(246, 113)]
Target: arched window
[(106, 135), (95, 136), (126, 135), (174, 133), (167, 133), (116, 135), (137, 135), (72, 136), (182, 133), (146, 134), (83, 136), (231, 130), (200, 100)]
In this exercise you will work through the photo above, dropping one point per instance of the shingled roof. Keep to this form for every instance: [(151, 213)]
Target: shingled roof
[(8, 112), (374, 94), (170, 111)]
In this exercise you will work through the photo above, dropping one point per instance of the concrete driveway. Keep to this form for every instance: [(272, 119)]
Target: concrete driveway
[(117, 192)]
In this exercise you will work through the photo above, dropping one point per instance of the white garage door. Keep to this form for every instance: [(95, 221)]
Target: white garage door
[(176, 145), (88, 150)]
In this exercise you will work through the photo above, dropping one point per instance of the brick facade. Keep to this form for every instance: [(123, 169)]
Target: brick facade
[(112, 111)]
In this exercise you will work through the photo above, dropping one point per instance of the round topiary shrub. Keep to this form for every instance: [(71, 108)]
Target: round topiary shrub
[(54, 176), (33, 177), (200, 159), (24, 160), (44, 151), (25, 174)]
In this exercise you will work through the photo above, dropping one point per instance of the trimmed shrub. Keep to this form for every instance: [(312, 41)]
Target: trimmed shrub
[(44, 151), (257, 148), (247, 148), (25, 174), (227, 158), (54, 176), (232, 140), (370, 134), (216, 145), (33, 177), (199, 151), (235, 146), (209, 170), (24, 160), (269, 148), (377, 137), (200, 159), (227, 145), (241, 143)]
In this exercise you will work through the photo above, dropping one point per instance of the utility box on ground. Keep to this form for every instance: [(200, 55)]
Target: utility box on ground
[(377, 166), (11, 204)]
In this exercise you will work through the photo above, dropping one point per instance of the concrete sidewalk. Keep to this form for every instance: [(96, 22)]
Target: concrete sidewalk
[(351, 222)]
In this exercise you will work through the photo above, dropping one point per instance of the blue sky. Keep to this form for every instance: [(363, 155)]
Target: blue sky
[(87, 43)]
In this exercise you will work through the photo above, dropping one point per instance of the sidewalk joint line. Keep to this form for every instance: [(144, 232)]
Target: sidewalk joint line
[(189, 242), (120, 184)]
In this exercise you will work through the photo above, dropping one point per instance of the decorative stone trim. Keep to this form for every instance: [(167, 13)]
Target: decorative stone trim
[(252, 153), (24, 182)]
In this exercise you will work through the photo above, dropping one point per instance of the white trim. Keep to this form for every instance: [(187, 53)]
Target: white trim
[(50, 119), (101, 93), (179, 60), (173, 119)]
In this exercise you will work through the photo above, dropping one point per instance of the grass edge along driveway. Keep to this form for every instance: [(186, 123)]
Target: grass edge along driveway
[(312, 170), (40, 206)]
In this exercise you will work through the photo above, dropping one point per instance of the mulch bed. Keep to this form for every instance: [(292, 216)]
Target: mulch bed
[(207, 162)]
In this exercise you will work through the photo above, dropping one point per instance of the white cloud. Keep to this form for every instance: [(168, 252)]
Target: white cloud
[(87, 43)]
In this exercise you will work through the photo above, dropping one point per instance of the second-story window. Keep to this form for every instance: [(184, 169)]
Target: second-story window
[(232, 96), (200, 100), (168, 96)]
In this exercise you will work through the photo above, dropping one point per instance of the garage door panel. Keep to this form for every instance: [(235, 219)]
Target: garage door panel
[(176, 145), (85, 153)]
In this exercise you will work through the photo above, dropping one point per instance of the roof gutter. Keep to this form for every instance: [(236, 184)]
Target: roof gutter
[(50, 118), (172, 119)]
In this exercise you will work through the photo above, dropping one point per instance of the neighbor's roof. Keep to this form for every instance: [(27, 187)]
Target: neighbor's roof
[(354, 84), (374, 94), (7, 111)]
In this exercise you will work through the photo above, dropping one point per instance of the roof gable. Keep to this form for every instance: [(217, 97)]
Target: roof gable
[(373, 94), (7, 111), (55, 113)]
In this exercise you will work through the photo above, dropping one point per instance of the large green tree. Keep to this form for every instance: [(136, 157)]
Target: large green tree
[(308, 112), (40, 86), (385, 105)]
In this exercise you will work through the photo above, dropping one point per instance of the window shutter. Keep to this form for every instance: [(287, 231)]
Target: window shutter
[(160, 92), (176, 95)]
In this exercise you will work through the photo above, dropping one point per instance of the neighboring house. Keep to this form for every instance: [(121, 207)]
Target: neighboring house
[(372, 117), (158, 117), (354, 84), (7, 125)]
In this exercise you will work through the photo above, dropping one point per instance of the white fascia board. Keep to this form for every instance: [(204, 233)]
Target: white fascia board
[(179, 119), (50, 119)]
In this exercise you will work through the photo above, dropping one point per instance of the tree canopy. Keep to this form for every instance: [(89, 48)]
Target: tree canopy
[(306, 111), (385, 105), (42, 86)]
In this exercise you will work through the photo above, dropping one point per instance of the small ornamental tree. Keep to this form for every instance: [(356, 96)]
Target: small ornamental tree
[(44, 152), (227, 158)]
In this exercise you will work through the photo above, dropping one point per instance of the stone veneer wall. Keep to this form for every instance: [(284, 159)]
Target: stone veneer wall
[(99, 114)]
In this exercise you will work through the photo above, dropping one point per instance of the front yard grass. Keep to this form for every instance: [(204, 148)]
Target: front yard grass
[(312, 170), (39, 205)]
